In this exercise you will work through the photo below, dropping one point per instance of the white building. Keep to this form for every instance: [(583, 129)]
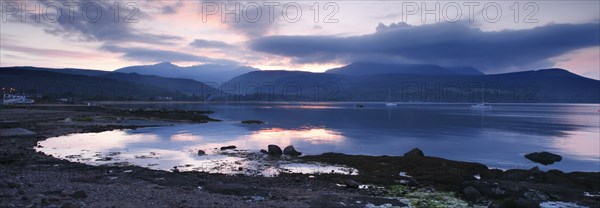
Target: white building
[(10, 99)]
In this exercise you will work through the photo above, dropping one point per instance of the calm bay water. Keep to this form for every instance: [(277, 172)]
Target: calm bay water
[(498, 137)]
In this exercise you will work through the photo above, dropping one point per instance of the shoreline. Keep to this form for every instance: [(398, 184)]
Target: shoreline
[(315, 102), (24, 167)]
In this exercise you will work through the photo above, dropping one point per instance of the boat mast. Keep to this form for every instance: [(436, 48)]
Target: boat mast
[(482, 94)]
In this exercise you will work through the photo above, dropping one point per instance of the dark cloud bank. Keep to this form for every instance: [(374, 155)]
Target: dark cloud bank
[(444, 44), (98, 23)]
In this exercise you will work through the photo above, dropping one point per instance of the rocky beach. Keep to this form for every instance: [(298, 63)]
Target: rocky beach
[(33, 179)]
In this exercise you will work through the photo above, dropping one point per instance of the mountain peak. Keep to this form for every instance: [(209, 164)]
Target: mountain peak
[(556, 72), (465, 70), (165, 63), (371, 68), (202, 73)]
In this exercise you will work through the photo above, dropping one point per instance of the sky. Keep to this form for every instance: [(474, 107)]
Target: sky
[(492, 36)]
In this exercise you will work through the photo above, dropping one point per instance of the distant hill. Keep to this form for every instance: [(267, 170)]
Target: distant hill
[(275, 75), (86, 72), (546, 85), (107, 86), (282, 85), (367, 68), (186, 86), (464, 70), (213, 73)]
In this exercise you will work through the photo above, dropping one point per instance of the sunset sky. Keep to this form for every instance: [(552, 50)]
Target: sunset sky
[(547, 34)]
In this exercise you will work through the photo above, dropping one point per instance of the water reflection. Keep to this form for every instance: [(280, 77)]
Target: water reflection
[(185, 137), (291, 136), (169, 147), (309, 106), (105, 141), (583, 145), (501, 135)]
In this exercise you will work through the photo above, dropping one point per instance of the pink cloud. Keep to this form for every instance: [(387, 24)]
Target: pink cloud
[(47, 52), (584, 62)]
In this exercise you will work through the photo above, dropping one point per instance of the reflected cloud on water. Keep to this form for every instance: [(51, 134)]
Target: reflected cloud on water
[(291, 136), (185, 137), (174, 147), (583, 145)]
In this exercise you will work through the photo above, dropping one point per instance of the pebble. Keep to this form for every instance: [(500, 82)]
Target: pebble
[(12, 184), (79, 194), (351, 183)]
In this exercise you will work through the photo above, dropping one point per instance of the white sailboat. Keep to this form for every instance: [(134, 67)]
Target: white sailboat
[(481, 105), (390, 103)]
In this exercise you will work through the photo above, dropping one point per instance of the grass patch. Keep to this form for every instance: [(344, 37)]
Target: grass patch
[(432, 199), (398, 190)]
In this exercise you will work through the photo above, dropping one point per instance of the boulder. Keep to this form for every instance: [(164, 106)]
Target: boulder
[(264, 151), (544, 158), (489, 189), (535, 195), (535, 169), (201, 152), (274, 150), (351, 183), (228, 147), (416, 152), (526, 203), (291, 151), (69, 205), (471, 193)]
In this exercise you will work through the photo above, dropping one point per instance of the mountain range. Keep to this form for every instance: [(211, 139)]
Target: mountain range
[(213, 73), (360, 81), (366, 68), (433, 84), (86, 84)]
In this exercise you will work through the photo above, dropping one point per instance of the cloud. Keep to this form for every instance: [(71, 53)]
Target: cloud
[(170, 8), (254, 18), (95, 21), (448, 44), (45, 52), (201, 43), (156, 55)]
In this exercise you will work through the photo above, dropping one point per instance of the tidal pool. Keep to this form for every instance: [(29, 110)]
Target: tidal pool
[(176, 148)]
